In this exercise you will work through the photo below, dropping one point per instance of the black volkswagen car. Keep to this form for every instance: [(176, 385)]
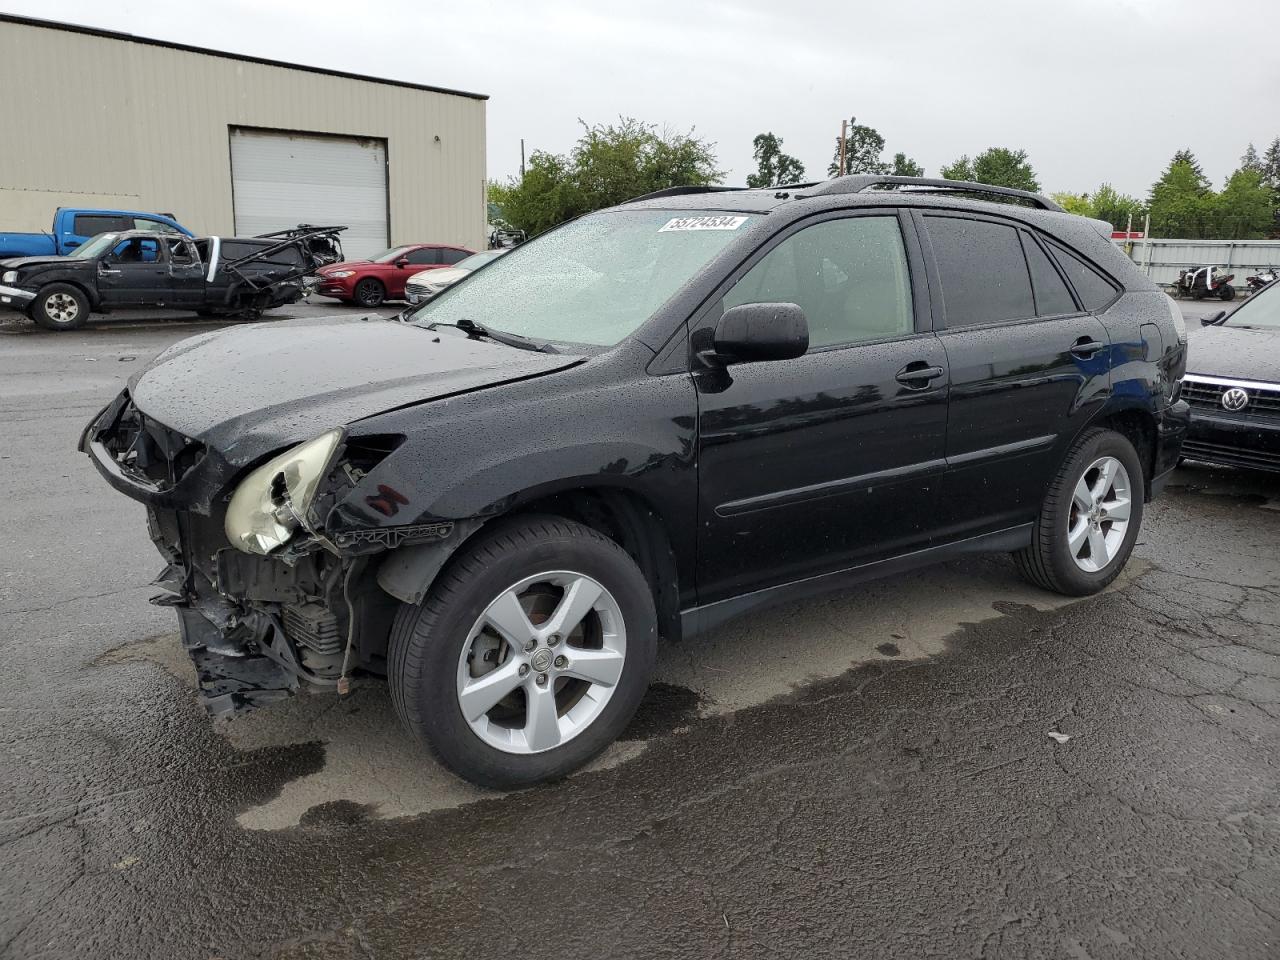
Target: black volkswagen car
[(639, 425), (1234, 386)]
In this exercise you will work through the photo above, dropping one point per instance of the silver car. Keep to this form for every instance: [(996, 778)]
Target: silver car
[(421, 287)]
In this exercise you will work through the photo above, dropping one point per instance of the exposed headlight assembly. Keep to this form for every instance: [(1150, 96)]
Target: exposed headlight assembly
[(270, 504), (10, 276)]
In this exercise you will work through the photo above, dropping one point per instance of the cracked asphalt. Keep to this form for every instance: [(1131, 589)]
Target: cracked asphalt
[(868, 775)]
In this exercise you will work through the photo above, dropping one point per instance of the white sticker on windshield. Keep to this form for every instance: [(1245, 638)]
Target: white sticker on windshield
[(702, 223)]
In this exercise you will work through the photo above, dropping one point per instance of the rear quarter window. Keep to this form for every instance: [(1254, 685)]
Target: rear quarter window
[(1095, 291), (1052, 296), (982, 269)]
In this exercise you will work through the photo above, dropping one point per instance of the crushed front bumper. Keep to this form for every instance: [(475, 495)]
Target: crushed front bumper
[(257, 628)]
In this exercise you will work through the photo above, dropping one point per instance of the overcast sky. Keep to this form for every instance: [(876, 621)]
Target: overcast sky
[(1094, 90)]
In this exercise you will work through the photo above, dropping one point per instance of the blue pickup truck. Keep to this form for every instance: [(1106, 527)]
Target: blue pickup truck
[(73, 226)]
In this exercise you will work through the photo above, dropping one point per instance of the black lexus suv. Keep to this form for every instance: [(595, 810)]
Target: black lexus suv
[(641, 424)]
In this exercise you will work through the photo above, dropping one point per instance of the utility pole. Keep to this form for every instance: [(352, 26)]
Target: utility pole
[(844, 133), (522, 158)]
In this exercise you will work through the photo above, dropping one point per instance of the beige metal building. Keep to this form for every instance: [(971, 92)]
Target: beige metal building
[(231, 144)]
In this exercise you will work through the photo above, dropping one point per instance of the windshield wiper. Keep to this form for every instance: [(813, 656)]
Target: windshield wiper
[(473, 329)]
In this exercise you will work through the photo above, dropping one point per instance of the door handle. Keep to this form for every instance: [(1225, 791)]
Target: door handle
[(918, 374), (105, 270), (1086, 347)]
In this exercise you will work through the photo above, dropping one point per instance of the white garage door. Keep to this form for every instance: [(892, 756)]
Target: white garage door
[(282, 180)]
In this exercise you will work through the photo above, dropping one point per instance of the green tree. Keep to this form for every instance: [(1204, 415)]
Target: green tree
[(609, 164), (962, 169), (1118, 209), (1271, 165), (1244, 209), (998, 166), (1077, 203), (1003, 167), (1182, 205), (904, 166), (773, 167), (1251, 160), (863, 146)]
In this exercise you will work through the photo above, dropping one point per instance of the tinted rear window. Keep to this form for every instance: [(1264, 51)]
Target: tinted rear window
[(1052, 295), (983, 271), (1094, 290)]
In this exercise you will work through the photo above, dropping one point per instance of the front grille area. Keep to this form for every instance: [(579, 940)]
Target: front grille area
[(149, 450), (1232, 455), (417, 289), (1206, 394)]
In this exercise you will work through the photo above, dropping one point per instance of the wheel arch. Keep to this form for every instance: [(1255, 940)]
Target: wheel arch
[(618, 512), (1136, 422), (89, 294)]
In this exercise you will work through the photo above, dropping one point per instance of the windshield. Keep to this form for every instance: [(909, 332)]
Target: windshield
[(1261, 310), (592, 281), (95, 247), (393, 254), (478, 260)]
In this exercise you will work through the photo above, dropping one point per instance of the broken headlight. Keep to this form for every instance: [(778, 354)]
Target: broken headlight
[(271, 503)]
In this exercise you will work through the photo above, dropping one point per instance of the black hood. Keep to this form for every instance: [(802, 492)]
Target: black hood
[(1236, 353), (250, 390), (18, 263)]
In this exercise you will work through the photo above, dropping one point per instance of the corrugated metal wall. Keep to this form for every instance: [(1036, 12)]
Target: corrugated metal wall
[(1162, 259), (99, 121)]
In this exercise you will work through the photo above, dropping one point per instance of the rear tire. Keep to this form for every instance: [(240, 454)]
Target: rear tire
[(60, 306), (370, 292), (1227, 292), (1087, 524), (595, 671)]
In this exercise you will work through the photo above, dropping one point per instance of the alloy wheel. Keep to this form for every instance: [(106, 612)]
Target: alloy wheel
[(541, 662), (1099, 519)]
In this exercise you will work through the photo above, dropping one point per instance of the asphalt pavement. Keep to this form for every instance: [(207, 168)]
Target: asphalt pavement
[(947, 764)]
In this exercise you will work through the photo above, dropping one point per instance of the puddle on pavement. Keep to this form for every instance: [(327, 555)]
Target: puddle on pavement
[(373, 770)]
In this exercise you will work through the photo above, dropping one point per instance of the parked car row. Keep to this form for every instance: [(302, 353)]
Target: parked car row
[(369, 282), (102, 260)]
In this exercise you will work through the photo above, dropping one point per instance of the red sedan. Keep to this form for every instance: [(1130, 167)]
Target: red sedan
[(369, 282)]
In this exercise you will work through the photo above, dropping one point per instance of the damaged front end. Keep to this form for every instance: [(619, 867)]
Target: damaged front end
[(267, 605)]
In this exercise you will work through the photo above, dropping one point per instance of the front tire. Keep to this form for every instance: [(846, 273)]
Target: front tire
[(1226, 292), (1089, 519), (60, 306), (370, 292), (529, 655)]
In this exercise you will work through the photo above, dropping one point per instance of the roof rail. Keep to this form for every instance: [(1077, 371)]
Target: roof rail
[(681, 191), (863, 182)]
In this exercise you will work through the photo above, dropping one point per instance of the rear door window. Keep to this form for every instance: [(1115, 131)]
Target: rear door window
[(450, 256), (1094, 290), (424, 257), (1052, 296), (89, 225), (983, 271)]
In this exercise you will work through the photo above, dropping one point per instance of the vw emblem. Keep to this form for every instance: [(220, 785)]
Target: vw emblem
[(1235, 400)]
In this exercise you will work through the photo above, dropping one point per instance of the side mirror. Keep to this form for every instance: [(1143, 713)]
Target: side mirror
[(1214, 320), (402, 262), (761, 331)]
